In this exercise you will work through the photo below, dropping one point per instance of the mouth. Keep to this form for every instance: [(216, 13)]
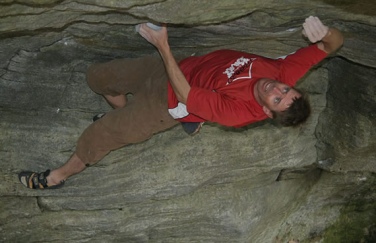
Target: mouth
[(267, 86)]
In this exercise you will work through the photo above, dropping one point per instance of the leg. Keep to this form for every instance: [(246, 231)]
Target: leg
[(52, 179), (130, 122), (73, 166), (116, 101)]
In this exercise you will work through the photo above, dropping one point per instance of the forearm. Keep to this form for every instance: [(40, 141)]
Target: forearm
[(332, 41), (178, 81), (159, 39)]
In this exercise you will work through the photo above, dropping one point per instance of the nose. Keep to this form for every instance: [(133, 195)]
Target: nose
[(277, 90)]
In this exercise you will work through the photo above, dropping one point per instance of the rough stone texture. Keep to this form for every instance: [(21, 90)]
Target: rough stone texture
[(261, 183)]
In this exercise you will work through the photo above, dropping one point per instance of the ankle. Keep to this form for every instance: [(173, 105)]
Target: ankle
[(53, 179)]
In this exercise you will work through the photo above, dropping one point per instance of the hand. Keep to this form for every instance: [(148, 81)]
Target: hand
[(158, 38), (314, 30)]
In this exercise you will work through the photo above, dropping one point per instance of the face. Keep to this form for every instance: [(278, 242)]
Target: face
[(273, 95)]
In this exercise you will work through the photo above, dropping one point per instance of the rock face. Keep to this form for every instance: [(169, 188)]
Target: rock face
[(261, 183)]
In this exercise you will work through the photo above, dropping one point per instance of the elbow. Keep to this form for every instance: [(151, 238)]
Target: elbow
[(183, 95), (182, 99)]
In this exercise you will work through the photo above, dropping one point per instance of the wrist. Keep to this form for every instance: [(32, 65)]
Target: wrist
[(328, 34), (164, 48)]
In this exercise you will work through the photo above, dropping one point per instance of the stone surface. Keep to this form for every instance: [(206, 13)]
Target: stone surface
[(260, 183)]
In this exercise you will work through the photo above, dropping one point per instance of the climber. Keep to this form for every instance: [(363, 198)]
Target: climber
[(228, 87)]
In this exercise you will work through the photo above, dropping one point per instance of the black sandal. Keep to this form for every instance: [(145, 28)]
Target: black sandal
[(192, 128), (98, 116), (35, 180)]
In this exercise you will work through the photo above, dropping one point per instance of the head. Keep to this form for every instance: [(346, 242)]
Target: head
[(282, 102)]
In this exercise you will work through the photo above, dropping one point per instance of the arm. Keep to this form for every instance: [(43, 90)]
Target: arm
[(327, 39), (178, 81)]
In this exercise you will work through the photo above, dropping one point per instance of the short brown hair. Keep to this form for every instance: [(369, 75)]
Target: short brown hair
[(296, 114)]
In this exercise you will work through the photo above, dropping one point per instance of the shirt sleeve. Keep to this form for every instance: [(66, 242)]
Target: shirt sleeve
[(297, 64), (219, 108)]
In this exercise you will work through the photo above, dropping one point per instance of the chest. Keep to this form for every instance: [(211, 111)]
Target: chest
[(238, 78)]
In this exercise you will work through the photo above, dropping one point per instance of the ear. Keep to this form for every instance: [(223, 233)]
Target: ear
[(267, 112)]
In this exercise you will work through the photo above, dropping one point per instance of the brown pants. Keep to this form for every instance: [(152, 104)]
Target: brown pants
[(144, 80)]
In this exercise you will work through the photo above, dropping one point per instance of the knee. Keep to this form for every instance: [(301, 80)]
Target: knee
[(90, 74), (93, 76)]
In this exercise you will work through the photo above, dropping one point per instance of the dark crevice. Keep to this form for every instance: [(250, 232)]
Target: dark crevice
[(33, 5)]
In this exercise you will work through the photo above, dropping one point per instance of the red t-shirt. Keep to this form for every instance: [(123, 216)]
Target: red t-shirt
[(222, 84)]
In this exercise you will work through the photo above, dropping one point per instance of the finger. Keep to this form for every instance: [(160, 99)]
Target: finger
[(312, 30), (309, 32), (306, 26), (317, 22), (314, 27), (143, 27), (321, 30), (143, 31), (318, 29), (321, 27)]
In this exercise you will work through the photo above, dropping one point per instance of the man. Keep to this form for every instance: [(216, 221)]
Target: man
[(231, 88)]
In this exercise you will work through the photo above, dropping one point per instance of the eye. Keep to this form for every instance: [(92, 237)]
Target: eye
[(286, 89), (277, 100)]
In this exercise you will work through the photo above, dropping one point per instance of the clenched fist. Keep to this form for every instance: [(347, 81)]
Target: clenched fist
[(314, 30)]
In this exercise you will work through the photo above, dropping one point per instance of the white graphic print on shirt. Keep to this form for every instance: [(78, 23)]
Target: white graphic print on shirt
[(238, 67)]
